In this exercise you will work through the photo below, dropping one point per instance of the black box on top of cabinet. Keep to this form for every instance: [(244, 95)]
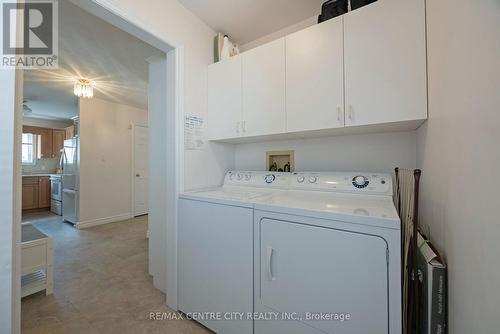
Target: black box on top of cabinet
[(331, 9), (355, 4)]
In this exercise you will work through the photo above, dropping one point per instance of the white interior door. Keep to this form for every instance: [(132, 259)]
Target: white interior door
[(315, 77), (319, 270), (141, 170)]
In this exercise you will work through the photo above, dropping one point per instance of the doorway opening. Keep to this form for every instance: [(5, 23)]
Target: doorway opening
[(97, 234)]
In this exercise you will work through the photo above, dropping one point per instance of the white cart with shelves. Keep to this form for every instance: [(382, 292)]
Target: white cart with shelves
[(36, 262)]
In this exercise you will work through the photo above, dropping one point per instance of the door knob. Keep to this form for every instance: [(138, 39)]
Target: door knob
[(137, 175)]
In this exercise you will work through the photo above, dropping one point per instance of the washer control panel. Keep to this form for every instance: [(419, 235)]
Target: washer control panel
[(257, 179)]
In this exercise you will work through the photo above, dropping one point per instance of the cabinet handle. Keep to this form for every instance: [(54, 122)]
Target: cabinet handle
[(244, 126), (237, 127), (338, 114), (270, 274), (350, 112)]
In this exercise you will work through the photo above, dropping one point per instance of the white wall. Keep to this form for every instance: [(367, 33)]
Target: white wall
[(371, 152), (106, 159), (458, 151)]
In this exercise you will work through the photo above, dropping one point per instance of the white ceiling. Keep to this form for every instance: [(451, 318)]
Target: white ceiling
[(247, 20), (91, 48)]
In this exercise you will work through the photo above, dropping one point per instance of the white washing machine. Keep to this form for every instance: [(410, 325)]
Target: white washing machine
[(215, 249), (328, 256)]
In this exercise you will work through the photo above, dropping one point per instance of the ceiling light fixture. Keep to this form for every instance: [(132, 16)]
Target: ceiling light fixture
[(84, 88)]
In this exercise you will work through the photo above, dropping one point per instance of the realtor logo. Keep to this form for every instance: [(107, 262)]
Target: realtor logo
[(34, 44)]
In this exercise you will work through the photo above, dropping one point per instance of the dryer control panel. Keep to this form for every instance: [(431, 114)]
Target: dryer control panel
[(346, 182)]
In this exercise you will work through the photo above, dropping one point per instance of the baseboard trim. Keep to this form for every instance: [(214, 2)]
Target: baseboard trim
[(102, 221)]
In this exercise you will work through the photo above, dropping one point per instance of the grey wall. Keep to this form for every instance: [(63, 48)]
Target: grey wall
[(458, 150), (371, 152)]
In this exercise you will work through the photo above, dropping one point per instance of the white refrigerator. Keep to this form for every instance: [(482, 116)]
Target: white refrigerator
[(70, 165)]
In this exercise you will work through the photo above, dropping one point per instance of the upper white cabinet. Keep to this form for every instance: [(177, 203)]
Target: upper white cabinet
[(224, 99), (263, 78), (314, 77), (366, 68), (385, 63)]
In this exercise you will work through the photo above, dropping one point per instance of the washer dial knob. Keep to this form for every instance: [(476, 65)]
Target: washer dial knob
[(360, 181), (248, 177), (300, 178), (313, 179), (239, 176)]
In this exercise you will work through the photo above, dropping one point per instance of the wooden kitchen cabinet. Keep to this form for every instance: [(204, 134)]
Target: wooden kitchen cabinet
[(315, 77), (58, 137), (44, 192), (45, 140), (51, 141), (263, 89), (36, 192), (70, 132), (385, 63), (30, 193)]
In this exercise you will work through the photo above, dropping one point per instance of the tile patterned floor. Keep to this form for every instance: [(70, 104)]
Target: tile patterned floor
[(101, 283)]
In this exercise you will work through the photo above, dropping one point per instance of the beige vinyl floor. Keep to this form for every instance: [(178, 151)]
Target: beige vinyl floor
[(101, 283)]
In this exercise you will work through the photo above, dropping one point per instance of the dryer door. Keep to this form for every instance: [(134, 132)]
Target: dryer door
[(316, 271)]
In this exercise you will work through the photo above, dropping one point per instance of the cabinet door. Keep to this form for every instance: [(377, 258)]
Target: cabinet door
[(70, 132), (264, 89), (313, 269), (45, 143), (216, 262), (31, 129), (43, 192), (30, 196), (224, 99), (315, 77), (385, 63), (58, 136)]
